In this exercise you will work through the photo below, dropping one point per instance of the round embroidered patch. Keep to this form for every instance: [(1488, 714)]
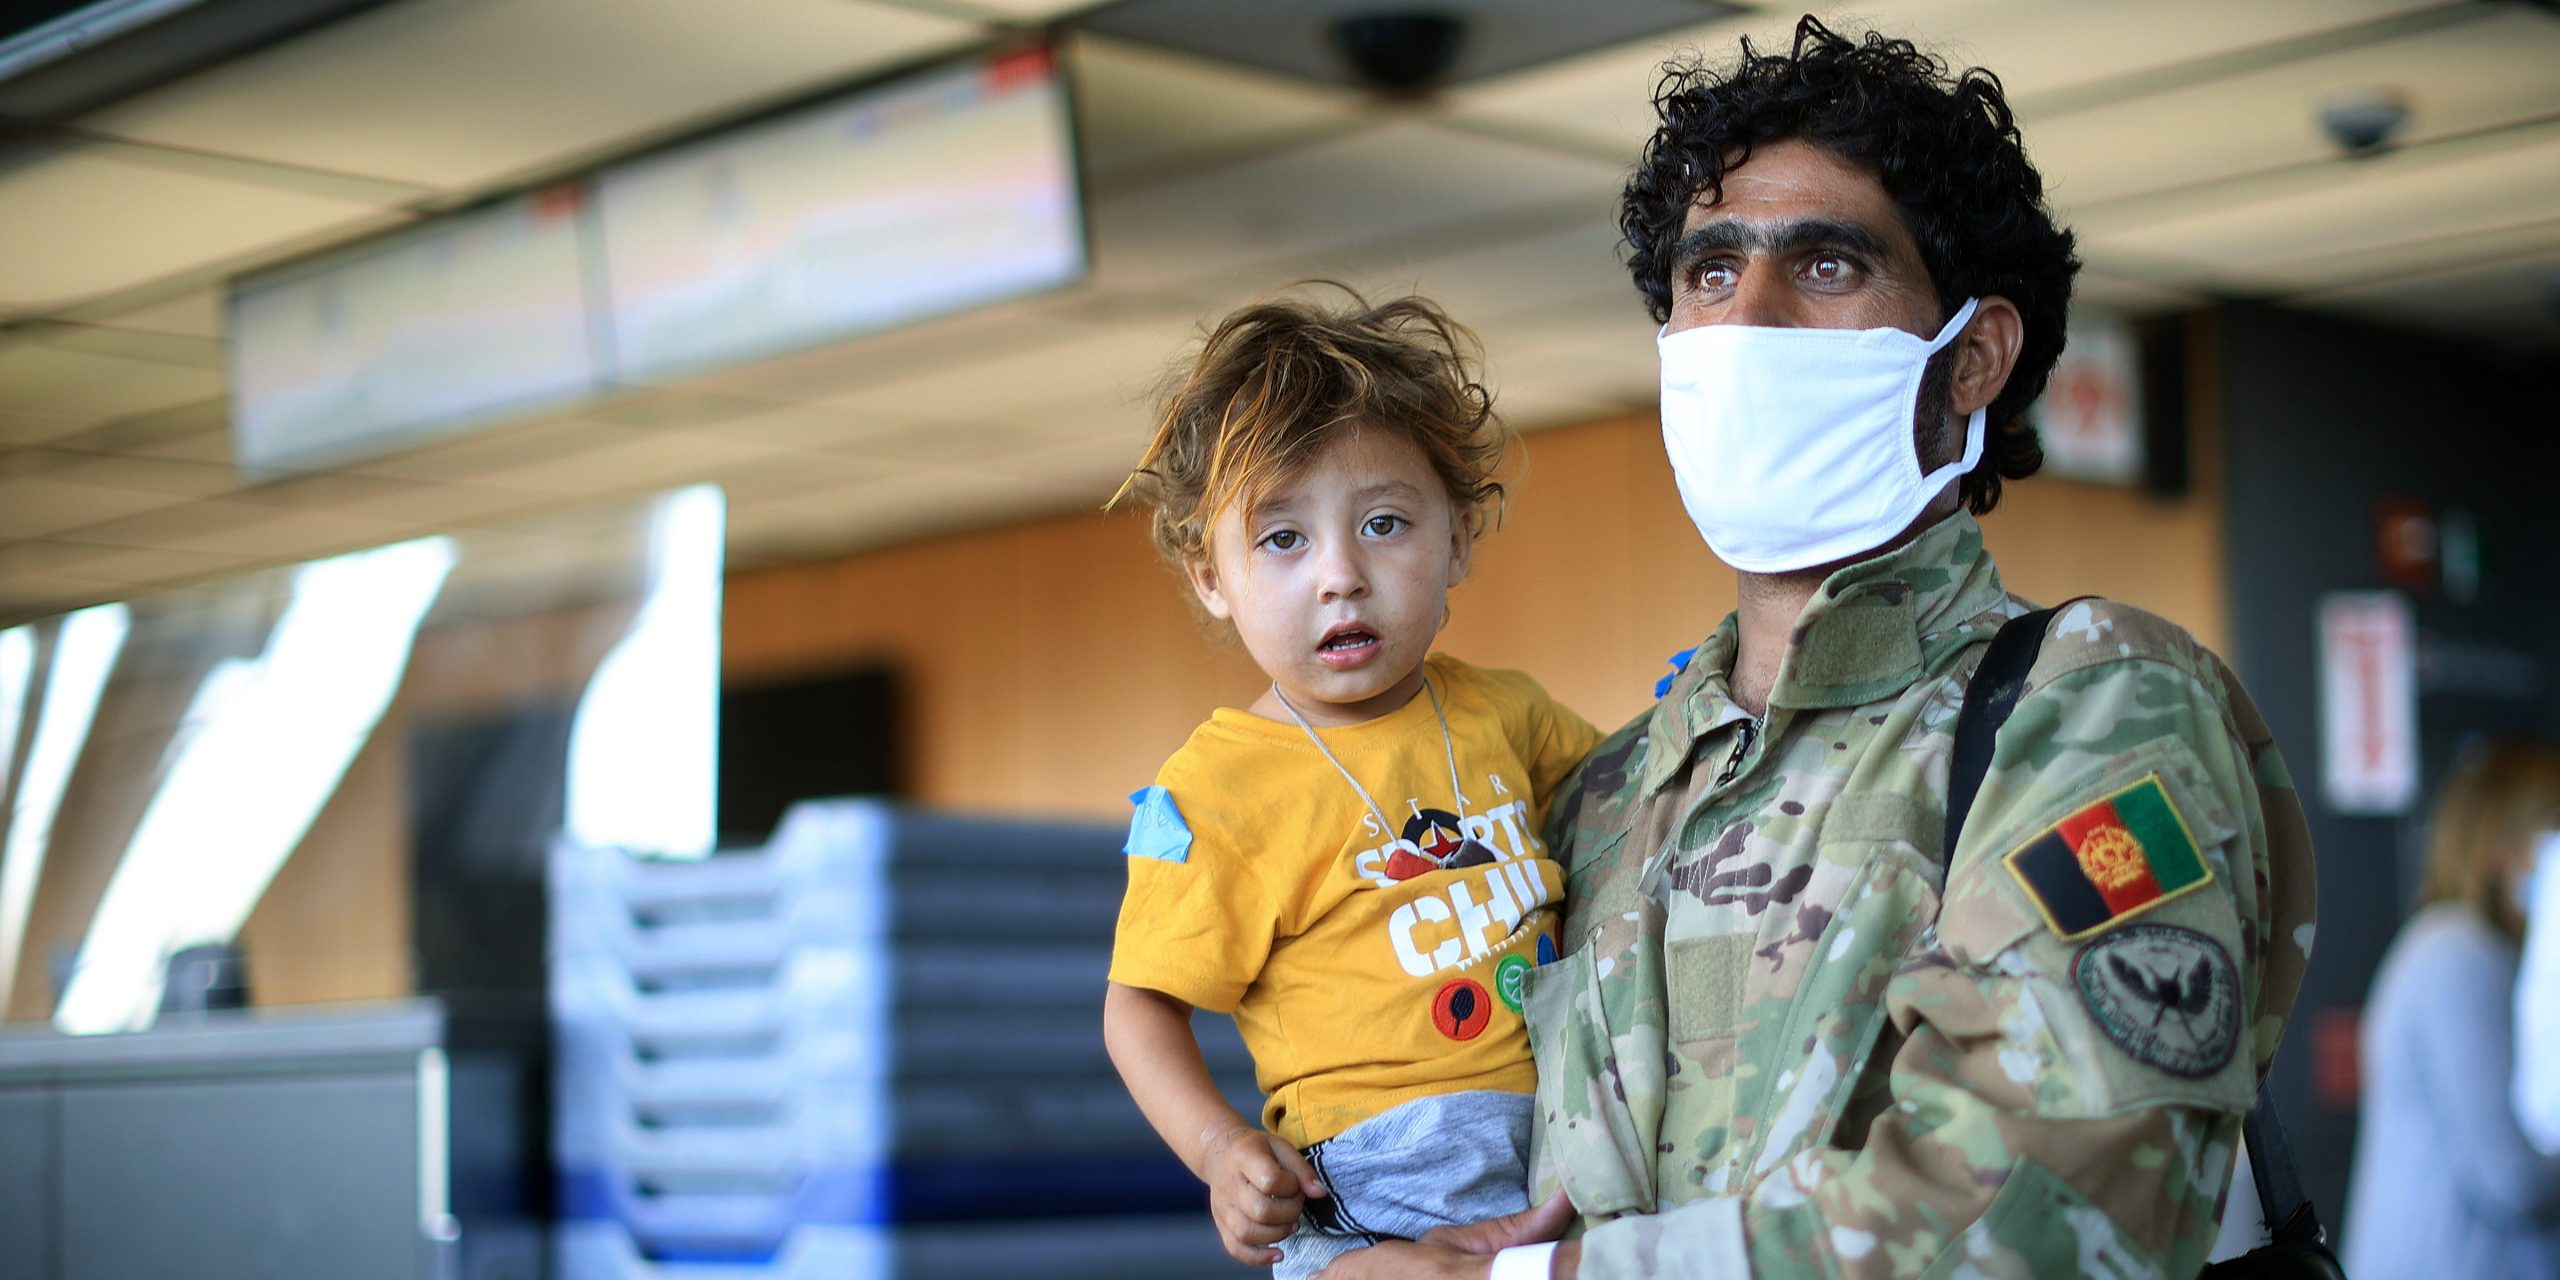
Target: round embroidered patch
[(1461, 1010), (2168, 996), (1511, 981), (1546, 948)]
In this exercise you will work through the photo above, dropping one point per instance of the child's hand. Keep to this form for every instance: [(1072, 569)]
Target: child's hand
[(1258, 1184)]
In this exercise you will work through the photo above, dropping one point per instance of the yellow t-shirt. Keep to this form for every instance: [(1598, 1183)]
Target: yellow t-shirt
[(1365, 967)]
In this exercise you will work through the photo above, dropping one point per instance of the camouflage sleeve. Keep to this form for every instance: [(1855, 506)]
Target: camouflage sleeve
[(2059, 1080)]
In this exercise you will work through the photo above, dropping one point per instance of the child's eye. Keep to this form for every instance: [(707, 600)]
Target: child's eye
[(1283, 539), (1386, 526)]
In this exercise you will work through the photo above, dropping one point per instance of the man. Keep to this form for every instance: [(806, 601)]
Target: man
[(1793, 1033)]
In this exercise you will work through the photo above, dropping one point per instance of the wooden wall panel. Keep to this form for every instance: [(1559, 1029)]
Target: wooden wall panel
[(1049, 667)]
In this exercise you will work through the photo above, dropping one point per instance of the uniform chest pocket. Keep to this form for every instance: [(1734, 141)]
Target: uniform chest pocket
[(1815, 1044)]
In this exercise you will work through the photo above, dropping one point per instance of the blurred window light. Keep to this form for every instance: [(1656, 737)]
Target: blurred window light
[(85, 646), (266, 743), (644, 745)]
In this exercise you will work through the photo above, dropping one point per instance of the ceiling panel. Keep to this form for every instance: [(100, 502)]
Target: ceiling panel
[(32, 507), (181, 525), (1302, 208), (196, 314), (2041, 50), (636, 460), (303, 535), (75, 389), (1602, 102), (477, 455), (1144, 111), (459, 93), (954, 444), (1109, 364), (156, 566), (88, 218), (2501, 68), (915, 505), (1480, 279), (2513, 302), (2403, 200)]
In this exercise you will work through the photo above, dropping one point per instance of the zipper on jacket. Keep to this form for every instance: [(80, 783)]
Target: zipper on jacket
[(1742, 741)]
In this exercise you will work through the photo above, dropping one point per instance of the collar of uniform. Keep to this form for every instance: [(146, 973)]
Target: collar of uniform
[(1859, 638), (1857, 641), (1698, 702)]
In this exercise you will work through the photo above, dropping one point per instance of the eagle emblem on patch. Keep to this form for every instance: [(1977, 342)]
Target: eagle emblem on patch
[(2169, 997), (2110, 859)]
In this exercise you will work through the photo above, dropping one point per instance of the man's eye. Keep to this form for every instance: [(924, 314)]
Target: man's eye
[(1832, 269), (1714, 277), (1385, 526), (1283, 539)]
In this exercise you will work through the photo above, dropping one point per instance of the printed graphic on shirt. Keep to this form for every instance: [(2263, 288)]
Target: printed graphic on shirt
[(1436, 839), (1458, 924), (2168, 996), (1461, 1010), (2111, 859)]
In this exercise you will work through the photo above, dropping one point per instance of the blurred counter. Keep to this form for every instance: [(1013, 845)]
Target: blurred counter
[(380, 1140)]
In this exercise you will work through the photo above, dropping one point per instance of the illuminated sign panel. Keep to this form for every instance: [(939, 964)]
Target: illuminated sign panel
[(941, 192)]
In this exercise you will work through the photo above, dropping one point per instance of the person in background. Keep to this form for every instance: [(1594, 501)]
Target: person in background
[(2445, 1183), (2537, 1085)]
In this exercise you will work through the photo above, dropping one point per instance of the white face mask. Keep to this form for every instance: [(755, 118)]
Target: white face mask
[(1793, 447)]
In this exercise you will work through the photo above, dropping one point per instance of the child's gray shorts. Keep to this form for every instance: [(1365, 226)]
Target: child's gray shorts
[(1454, 1158)]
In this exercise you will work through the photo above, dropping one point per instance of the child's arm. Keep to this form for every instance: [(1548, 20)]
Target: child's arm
[(1257, 1182)]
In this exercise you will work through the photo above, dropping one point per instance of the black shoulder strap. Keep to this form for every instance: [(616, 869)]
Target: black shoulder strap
[(1989, 697)]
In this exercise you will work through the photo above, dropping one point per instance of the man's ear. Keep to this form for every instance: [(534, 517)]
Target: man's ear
[(1202, 572), (1986, 355)]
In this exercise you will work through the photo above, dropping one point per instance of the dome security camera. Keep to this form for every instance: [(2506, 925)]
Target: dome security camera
[(1399, 52), (2365, 122)]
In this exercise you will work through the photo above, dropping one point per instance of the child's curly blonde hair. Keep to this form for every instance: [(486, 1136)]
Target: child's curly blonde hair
[(1277, 379)]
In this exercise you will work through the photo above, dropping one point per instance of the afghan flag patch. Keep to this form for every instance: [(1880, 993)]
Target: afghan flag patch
[(2111, 859)]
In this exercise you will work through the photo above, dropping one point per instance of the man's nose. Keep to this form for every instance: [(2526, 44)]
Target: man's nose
[(1761, 299)]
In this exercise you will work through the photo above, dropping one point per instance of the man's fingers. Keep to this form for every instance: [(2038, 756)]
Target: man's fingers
[(1536, 1224), (1545, 1221)]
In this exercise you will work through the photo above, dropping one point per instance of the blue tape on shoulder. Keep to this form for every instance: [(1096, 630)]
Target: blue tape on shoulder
[(1679, 663), (1157, 830)]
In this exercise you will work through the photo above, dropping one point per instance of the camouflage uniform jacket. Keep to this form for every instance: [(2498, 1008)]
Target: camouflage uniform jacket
[(1792, 1036)]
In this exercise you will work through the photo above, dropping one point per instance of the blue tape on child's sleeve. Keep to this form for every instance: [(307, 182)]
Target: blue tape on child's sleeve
[(1157, 830), (1679, 663)]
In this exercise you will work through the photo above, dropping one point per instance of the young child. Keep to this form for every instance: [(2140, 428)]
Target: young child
[(1351, 866)]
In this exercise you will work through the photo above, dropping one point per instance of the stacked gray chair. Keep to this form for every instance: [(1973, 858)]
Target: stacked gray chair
[(871, 1048)]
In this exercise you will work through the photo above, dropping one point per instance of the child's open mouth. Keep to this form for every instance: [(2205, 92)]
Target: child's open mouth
[(1348, 647)]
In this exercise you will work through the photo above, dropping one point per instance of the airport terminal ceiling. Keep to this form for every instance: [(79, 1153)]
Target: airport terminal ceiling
[(2184, 139)]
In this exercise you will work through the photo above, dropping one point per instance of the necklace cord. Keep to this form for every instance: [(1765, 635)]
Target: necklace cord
[(1457, 797)]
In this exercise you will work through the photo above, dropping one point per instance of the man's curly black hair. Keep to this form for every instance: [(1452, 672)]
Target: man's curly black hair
[(1945, 148)]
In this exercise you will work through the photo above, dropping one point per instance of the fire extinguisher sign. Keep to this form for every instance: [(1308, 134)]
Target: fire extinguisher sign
[(2368, 702)]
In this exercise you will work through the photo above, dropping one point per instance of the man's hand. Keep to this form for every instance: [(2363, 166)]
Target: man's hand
[(1258, 1184), (1461, 1252)]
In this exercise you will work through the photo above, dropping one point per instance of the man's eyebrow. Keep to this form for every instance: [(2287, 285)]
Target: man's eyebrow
[(1783, 237)]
